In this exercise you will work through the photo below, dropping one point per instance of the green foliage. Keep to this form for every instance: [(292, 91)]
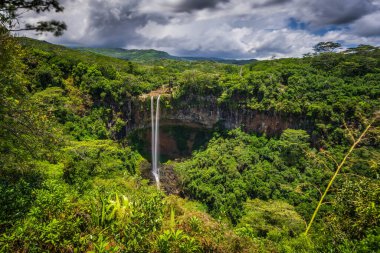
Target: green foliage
[(88, 159), (193, 230), (17, 196), (200, 83), (176, 241), (323, 89), (328, 46), (130, 219), (12, 11), (102, 246), (354, 222), (150, 56), (284, 169), (67, 187), (275, 220), (302, 244), (26, 134), (89, 127), (241, 166), (275, 224), (51, 223), (135, 55)]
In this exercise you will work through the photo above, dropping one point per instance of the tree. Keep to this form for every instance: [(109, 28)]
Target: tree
[(12, 10), (26, 133), (341, 164), (326, 47), (362, 49)]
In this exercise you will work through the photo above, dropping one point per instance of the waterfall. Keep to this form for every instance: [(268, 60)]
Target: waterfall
[(155, 138), (153, 134)]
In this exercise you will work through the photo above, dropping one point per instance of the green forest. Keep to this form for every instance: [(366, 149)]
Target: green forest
[(73, 180)]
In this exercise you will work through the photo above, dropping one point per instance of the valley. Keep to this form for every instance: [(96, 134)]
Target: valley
[(244, 152)]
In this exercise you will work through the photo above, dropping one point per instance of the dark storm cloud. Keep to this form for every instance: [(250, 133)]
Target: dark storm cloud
[(372, 31), (194, 5), (333, 12), (233, 54), (218, 28), (268, 3), (367, 26), (115, 25)]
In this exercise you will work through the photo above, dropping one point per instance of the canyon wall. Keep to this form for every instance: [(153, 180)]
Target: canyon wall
[(205, 112)]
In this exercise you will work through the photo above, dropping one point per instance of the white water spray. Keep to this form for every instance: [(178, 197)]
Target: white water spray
[(155, 139)]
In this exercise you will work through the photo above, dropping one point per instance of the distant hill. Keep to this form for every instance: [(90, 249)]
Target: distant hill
[(141, 60), (133, 55), (70, 54), (141, 56), (152, 55)]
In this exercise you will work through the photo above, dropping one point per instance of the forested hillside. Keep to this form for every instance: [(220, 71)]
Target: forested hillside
[(151, 55), (72, 181)]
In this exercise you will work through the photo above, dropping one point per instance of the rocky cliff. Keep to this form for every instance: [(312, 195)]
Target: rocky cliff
[(205, 112)]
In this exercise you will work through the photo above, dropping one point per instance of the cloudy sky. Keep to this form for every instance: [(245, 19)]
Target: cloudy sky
[(218, 28)]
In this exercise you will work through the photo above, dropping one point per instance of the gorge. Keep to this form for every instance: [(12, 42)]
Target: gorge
[(100, 154), (188, 122)]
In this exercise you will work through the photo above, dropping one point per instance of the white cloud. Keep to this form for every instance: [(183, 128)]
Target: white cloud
[(221, 28), (367, 25), (77, 20)]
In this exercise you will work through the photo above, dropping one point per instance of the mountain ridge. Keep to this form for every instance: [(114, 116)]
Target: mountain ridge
[(152, 55)]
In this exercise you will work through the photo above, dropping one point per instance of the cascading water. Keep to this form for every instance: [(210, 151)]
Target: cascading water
[(155, 138)]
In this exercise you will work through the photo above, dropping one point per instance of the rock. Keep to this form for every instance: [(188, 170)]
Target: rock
[(205, 112), (170, 182)]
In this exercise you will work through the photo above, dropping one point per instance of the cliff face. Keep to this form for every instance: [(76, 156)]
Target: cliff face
[(187, 124), (204, 112)]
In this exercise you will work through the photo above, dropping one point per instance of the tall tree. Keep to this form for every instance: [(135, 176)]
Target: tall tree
[(326, 47), (11, 11), (25, 131)]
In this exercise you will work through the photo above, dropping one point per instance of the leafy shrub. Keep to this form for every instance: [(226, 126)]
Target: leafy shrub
[(275, 220), (88, 159), (52, 224)]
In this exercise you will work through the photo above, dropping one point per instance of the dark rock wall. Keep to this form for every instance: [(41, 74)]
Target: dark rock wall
[(205, 112)]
